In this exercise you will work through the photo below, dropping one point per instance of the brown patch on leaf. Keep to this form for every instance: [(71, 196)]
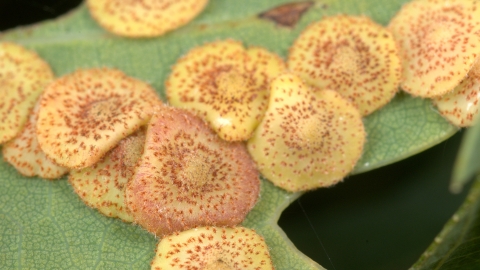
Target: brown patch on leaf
[(287, 15)]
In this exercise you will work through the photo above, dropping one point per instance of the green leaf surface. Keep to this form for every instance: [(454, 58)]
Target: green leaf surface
[(458, 244), (45, 226), (468, 159)]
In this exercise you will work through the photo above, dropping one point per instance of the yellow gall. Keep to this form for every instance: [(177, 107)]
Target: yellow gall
[(225, 84), (23, 76), (84, 114), (24, 153), (460, 106), (188, 177), (102, 186), (213, 248), (308, 138), (351, 55), (439, 43), (144, 18)]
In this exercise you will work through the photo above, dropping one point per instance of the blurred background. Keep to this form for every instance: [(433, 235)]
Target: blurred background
[(23, 12), (383, 219)]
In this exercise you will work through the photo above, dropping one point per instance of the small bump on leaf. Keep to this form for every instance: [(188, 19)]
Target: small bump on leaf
[(287, 15)]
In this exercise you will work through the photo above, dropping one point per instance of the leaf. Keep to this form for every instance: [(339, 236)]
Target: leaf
[(45, 225), (468, 159), (405, 127), (457, 245)]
